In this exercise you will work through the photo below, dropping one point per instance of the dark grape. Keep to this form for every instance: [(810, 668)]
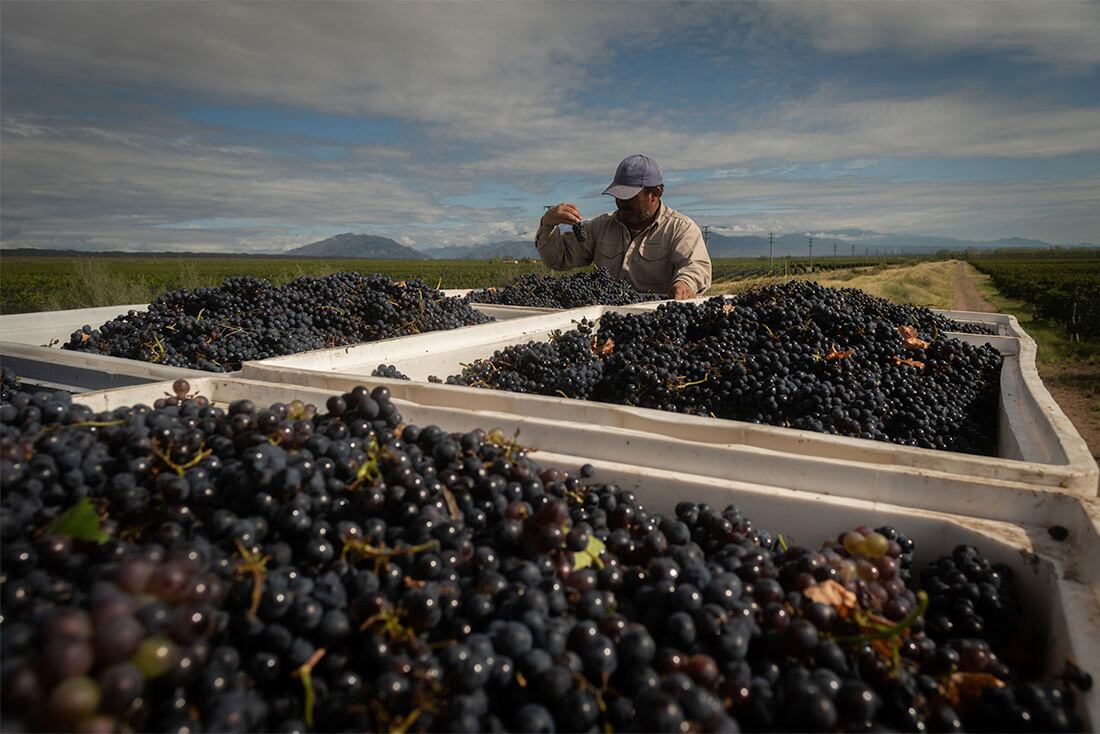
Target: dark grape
[(568, 291), (456, 586), (246, 318), (797, 355)]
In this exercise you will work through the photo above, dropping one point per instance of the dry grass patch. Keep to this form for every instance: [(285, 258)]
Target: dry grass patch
[(923, 284)]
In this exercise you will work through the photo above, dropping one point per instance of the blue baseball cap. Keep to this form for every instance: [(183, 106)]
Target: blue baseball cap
[(634, 174)]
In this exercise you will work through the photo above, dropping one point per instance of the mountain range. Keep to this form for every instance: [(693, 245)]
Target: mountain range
[(358, 245), (720, 245)]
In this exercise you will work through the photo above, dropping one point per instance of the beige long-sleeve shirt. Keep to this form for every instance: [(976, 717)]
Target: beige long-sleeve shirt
[(669, 249)]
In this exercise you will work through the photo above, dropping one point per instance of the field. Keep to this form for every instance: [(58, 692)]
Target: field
[(29, 283), (1063, 290)]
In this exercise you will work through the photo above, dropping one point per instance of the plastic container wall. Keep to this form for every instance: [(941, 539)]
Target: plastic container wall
[(1037, 444), (30, 344)]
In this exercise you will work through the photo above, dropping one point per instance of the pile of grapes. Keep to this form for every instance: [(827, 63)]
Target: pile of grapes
[(9, 382), (593, 288), (187, 567), (248, 318), (390, 371), (797, 355)]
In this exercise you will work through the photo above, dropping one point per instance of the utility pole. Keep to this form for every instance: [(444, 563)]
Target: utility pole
[(811, 254), (771, 240), (853, 250), (706, 231), (834, 250)]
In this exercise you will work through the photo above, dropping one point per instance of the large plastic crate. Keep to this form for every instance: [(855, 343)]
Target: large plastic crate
[(1038, 447), (1058, 581), (30, 344)]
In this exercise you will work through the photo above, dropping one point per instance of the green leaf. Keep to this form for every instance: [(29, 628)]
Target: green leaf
[(79, 522), (590, 556)]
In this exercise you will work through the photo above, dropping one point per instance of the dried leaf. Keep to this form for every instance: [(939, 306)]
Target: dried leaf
[(85, 337), (965, 686), (909, 336), (910, 362), (727, 308), (834, 595), (834, 353), (884, 648), (607, 347)]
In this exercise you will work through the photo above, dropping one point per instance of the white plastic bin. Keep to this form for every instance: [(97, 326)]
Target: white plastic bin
[(1057, 581), (1005, 324), (30, 344), (1037, 445)]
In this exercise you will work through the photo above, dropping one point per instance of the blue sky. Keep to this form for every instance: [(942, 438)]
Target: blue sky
[(258, 127)]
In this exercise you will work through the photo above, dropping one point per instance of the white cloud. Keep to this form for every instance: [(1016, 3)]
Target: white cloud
[(825, 126), (490, 91), (480, 69), (960, 209), (116, 185), (1059, 32)]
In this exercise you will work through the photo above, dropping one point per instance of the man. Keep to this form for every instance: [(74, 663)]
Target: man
[(655, 248)]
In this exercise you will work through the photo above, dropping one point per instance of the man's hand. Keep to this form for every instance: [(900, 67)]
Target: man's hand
[(681, 291), (561, 214)]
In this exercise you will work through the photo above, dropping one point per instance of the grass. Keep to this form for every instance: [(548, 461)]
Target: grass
[(30, 283), (1054, 346), (37, 283)]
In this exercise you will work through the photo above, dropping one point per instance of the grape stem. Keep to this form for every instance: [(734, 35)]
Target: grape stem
[(253, 563), (305, 674), (180, 469), (84, 424), (888, 632), (370, 469), (382, 554)]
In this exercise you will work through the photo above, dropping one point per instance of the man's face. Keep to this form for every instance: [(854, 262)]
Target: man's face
[(641, 207)]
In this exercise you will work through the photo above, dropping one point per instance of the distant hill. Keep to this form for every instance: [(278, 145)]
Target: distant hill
[(364, 246)]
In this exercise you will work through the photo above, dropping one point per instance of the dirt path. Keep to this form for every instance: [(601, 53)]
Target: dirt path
[(1075, 387), (967, 297)]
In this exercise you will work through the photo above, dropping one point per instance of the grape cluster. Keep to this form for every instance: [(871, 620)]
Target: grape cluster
[(565, 365), (580, 233), (142, 627), (971, 597), (332, 568), (569, 291), (9, 383), (796, 355), (248, 318), (388, 370)]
